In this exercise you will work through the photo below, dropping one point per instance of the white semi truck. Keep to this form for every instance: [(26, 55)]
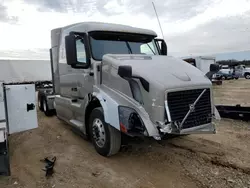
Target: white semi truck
[(111, 79)]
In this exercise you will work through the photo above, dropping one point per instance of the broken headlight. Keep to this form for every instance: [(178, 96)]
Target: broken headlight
[(130, 121)]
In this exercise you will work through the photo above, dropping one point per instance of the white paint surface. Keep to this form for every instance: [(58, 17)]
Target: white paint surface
[(24, 70), (2, 109), (205, 65), (18, 96)]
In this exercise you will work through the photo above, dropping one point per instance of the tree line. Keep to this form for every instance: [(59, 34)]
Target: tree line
[(234, 62)]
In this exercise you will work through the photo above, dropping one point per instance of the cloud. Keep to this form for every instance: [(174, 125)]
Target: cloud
[(219, 35), (172, 9), (4, 17), (190, 27)]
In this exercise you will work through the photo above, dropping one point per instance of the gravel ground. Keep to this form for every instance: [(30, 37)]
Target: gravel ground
[(217, 160)]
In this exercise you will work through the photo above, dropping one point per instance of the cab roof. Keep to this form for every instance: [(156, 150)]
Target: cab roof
[(101, 26)]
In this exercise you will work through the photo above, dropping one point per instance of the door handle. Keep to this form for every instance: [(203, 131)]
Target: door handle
[(30, 107)]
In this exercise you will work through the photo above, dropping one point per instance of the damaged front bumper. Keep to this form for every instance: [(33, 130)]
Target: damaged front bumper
[(175, 129)]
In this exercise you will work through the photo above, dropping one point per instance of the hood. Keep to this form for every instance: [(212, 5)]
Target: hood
[(165, 71)]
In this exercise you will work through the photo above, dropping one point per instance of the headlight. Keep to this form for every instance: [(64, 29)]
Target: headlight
[(130, 121)]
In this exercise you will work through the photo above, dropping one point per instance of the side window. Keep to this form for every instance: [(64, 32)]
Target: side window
[(147, 49), (80, 51)]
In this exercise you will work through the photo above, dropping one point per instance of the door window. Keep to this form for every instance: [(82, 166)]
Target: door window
[(80, 51), (148, 49)]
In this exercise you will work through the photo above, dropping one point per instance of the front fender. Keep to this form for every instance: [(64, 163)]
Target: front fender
[(110, 109)]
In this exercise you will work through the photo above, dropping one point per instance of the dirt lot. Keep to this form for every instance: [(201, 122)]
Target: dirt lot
[(220, 160)]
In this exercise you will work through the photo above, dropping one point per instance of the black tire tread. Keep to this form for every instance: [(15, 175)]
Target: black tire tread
[(40, 100), (115, 140), (246, 74), (48, 112)]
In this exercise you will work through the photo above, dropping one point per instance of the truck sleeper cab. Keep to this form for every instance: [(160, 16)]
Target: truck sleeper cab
[(112, 79)]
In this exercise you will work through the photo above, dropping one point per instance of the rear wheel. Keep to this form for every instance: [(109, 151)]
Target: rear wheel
[(40, 104), (46, 110), (40, 101), (105, 138)]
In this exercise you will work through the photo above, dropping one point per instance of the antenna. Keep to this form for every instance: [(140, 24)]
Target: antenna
[(158, 20)]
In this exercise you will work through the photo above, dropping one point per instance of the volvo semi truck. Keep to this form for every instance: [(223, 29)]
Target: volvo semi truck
[(111, 80)]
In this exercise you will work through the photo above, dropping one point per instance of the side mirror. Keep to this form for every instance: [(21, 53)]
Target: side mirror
[(214, 68), (72, 50), (162, 46), (125, 71)]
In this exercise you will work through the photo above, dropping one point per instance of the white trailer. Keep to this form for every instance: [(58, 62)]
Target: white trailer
[(201, 62), (17, 114)]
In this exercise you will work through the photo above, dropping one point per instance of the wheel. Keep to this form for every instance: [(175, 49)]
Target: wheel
[(46, 110), (105, 138), (223, 78), (247, 75), (40, 103)]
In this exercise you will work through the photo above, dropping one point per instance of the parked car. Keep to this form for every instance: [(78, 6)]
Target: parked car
[(226, 75)]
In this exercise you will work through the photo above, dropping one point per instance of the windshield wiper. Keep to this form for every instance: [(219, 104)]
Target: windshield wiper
[(129, 48), (151, 49)]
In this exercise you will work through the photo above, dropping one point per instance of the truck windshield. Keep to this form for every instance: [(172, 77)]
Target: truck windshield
[(117, 43)]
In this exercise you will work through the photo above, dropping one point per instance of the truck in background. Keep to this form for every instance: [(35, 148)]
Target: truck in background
[(111, 79), (203, 63), (242, 71)]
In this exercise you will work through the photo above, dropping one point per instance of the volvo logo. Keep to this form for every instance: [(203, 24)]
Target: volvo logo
[(191, 107)]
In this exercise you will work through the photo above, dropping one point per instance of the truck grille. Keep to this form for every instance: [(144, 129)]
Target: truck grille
[(180, 101)]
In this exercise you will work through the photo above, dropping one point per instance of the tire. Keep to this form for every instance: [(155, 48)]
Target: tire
[(109, 139), (46, 110), (223, 78), (247, 75), (40, 102)]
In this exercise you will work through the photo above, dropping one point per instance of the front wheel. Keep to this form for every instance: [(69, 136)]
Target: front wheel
[(247, 75), (105, 138)]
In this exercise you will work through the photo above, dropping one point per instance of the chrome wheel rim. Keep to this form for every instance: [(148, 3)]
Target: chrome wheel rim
[(248, 76), (98, 130)]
